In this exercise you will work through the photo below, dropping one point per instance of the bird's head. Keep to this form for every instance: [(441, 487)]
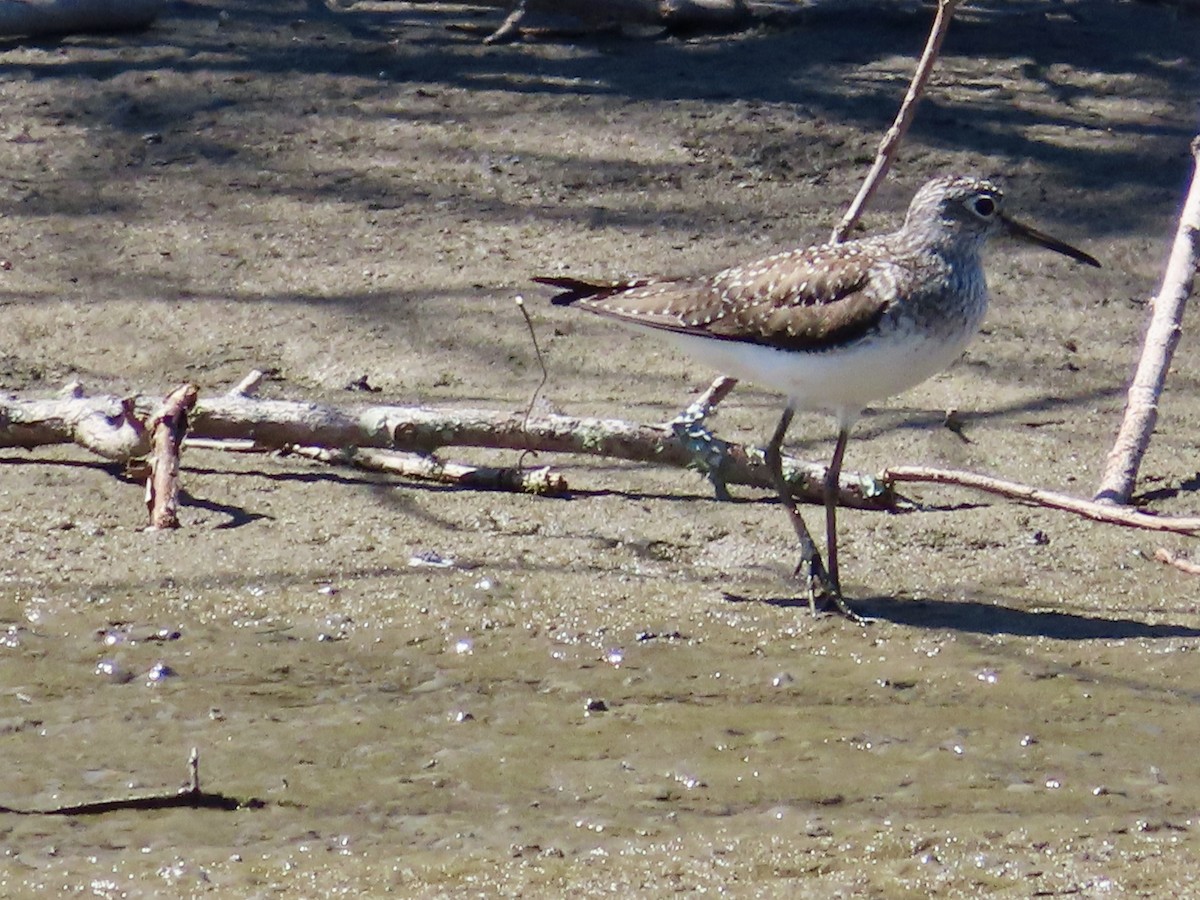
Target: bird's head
[(962, 211)]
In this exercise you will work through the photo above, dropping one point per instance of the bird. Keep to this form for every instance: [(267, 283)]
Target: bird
[(833, 327)]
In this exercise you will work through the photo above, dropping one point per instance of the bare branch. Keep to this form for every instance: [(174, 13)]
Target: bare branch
[(1162, 337), (890, 144), (510, 28), (360, 436), (1163, 555), (280, 423), (542, 481), (110, 427), (1089, 509), (168, 429), (249, 385), (716, 392)]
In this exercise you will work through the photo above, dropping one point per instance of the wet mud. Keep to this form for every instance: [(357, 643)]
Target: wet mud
[(449, 693)]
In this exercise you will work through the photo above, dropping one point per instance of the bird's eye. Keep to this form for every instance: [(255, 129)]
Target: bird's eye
[(984, 207)]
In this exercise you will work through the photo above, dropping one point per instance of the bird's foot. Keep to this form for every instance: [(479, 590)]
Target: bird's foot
[(824, 593), (833, 602)]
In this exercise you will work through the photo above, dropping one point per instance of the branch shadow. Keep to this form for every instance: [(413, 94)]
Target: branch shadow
[(835, 68), (236, 516), (115, 469)]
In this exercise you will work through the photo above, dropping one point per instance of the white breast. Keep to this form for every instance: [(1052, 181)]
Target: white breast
[(842, 381)]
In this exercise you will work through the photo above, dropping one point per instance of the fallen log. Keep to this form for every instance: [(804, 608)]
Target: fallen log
[(343, 435), (111, 427), (282, 424), (510, 479)]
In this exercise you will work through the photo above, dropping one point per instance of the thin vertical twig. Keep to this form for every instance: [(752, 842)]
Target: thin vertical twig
[(1162, 337), (537, 351), (890, 145)]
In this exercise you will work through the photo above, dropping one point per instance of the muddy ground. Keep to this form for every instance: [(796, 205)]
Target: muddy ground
[(331, 195)]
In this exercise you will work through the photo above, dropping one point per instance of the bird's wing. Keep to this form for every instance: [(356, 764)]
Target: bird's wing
[(800, 300)]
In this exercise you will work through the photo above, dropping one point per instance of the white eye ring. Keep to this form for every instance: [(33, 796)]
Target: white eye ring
[(984, 207)]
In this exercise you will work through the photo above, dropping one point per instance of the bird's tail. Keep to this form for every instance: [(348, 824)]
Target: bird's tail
[(573, 289)]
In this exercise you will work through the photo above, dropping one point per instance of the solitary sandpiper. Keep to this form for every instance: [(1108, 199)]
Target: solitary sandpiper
[(835, 326)]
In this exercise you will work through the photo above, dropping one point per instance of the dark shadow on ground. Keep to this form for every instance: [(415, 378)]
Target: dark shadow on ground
[(974, 617), (835, 68), (1169, 492), (237, 516)]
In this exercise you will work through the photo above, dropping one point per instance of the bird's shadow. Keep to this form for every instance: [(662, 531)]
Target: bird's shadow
[(976, 617)]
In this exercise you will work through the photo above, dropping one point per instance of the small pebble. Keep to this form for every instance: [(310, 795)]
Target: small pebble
[(430, 559), (160, 672), (113, 672)]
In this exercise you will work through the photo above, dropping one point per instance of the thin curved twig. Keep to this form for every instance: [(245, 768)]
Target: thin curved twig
[(890, 145), (1163, 555), (1089, 509)]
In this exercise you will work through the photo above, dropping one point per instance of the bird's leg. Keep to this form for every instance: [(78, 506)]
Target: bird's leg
[(831, 486), (830, 495), (810, 560)]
